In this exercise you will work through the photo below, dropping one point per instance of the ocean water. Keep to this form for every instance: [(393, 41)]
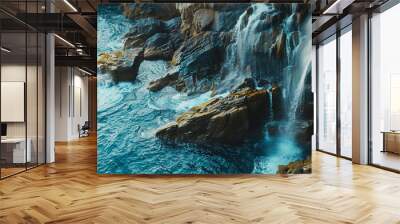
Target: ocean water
[(129, 115)]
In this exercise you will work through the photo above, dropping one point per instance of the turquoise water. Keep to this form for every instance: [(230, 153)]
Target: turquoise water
[(129, 114)]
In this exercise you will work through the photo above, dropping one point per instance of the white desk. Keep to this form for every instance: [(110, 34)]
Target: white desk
[(19, 154)]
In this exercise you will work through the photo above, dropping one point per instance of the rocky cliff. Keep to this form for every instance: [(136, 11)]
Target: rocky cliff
[(296, 167), (224, 120), (215, 47), (122, 65)]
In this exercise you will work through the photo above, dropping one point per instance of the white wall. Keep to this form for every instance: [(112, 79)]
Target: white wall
[(71, 102), (62, 82)]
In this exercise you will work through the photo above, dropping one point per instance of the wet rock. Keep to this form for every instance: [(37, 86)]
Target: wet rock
[(187, 12), (158, 46), (249, 11), (173, 25), (278, 106), (141, 31), (161, 46), (171, 79), (280, 46), (264, 42), (303, 11), (159, 38), (154, 10), (169, 131), (247, 83), (202, 20), (303, 131), (199, 57), (226, 38), (226, 16), (121, 65), (223, 120), (198, 17), (282, 10), (160, 83), (296, 167), (263, 83), (305, 111)]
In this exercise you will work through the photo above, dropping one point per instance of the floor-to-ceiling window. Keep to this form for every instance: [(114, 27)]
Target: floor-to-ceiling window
[(345, 92), (327, 95), (22, 78), (385, 89), (334, 94)]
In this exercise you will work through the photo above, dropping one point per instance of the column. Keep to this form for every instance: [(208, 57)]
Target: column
[(360, 90)]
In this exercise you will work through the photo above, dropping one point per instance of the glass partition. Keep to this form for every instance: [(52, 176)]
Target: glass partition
[(346, 93), (15, 151), (22, 77), (385, 90), (327, 96)]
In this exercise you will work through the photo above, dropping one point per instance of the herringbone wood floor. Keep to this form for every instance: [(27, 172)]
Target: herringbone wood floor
[(70, 191)]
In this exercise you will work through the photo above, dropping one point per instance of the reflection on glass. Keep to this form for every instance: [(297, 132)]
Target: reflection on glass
[(346, 94), (327, 97), (22, 90), (15, 151), (385, 86)]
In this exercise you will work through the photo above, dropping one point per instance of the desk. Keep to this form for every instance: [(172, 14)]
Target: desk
[(13, 150), (391, 141)]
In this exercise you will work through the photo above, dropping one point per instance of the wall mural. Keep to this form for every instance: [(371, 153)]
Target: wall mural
[(207, 88)]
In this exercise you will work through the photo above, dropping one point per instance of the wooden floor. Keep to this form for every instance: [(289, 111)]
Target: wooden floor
[(387, 159), (5, 172), (70, 191)]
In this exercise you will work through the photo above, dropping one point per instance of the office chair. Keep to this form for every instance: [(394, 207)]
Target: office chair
[(84, 130)]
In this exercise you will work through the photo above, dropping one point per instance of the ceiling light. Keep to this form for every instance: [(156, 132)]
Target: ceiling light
[(64, 40), (338, 6), (79, 51), (70, 5), (5, 50), (327, 11), (84, 71)]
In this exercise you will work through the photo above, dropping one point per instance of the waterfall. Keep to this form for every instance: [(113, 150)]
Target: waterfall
[(239, 57), (252, 53), (271, 109), (299, 66)]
